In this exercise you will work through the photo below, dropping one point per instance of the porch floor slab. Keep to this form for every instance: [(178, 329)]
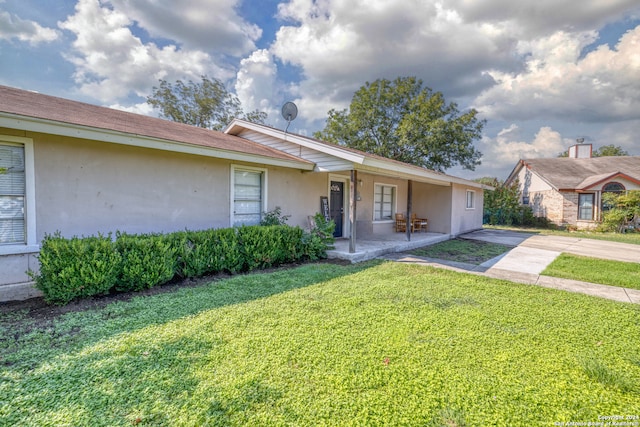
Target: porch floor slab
[(371, 248)]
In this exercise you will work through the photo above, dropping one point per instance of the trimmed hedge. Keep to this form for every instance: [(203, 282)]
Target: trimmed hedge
[(71, 268), (81, 267)]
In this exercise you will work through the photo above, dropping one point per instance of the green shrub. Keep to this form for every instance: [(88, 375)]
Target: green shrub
[(77, 267), (146, 260), (264, 247), (316, 242), (208, 252), (274, 217), (71, 268)]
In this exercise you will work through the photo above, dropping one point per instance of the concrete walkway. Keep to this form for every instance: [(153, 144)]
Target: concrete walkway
[(532, 253)]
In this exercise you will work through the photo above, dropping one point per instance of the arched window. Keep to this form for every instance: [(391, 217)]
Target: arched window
[(613, 187)]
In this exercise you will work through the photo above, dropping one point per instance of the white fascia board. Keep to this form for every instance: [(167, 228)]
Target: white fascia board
[(413, 173), (75, 131), (296, 139)]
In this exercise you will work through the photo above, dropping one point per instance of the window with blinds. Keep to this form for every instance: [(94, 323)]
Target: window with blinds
[(384, 202), (247, 197), (12, 194)]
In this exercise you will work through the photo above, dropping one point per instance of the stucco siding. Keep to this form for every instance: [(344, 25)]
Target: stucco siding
[(85, 187), (464, 219), (433, 202)]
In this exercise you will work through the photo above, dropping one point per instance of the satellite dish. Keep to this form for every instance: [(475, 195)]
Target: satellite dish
[(289, 112)]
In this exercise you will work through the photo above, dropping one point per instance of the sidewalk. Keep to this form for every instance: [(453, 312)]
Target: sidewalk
[(533, 253)]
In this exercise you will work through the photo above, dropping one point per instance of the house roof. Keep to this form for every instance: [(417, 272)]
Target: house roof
[(36, 112), (358, 160), (564, 173)]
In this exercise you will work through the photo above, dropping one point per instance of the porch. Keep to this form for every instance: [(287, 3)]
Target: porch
[(374, 247)]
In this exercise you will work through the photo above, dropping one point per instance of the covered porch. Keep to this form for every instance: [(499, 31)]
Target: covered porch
[(375, 246)]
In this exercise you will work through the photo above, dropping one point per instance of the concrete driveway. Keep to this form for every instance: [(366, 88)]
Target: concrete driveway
[(532, 253)]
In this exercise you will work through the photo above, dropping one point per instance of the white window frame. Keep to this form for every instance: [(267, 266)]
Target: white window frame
[(31, 243), (593, 206), (235, 168), (394, 202), (472, 205)]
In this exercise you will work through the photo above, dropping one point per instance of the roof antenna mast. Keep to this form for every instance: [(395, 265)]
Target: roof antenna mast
[(289, 113)]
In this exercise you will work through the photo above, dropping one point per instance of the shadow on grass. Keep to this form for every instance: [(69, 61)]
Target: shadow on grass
[(20, 333), (76, 371)]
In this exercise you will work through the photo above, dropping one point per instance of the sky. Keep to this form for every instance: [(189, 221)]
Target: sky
[(542, 73)]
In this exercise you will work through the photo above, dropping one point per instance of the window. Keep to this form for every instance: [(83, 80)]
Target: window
[(248, 196), (471, 199), (12, 194), (585, 206), (384, 202), (613, 188)]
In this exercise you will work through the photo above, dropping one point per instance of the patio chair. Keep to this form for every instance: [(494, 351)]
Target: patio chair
[(418, 224), (401, 223)]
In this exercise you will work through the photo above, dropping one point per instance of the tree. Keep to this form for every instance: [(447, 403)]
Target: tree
[(610, 150), (207, 104), (403, 121), (501, 205), (624, 212), (604, 151)]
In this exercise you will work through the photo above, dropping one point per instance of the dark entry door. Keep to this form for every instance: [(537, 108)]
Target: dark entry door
[(336, 206)]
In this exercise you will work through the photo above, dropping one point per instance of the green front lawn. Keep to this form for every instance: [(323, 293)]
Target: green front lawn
[(605, 272), (633, 238), (370, 344)]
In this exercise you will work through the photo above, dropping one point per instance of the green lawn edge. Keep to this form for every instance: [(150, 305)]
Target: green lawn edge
[(371, 344), (595, 270)]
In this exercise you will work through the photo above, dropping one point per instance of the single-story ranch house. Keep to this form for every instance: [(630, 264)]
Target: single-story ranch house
[(568, 190), (81, 169)]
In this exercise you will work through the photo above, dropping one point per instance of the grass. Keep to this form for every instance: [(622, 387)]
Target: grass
[(632, 238), (463, 250), (605, 272), (369, 344)]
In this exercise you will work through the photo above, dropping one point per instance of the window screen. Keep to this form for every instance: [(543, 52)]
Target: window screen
[(12, 194), (585, 207), (247, 197), (384, 202)]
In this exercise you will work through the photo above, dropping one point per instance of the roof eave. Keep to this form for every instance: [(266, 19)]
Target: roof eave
[(236, 126), (415, 173), (32, 124)]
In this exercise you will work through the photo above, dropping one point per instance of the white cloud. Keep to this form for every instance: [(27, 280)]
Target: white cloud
[(202, 24), (511, 52), (111, 62), (508, 148), (13, 27), (602, 86), (256, 84), (141, 108), (341, 44)]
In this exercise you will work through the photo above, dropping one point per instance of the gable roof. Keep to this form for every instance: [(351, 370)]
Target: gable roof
[(352, 159), (31, 111), (564, 173)]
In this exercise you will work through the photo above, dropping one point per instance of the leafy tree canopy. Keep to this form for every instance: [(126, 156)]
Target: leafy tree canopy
[(206, 104), (610, 150), (604, 151), (402, 120)]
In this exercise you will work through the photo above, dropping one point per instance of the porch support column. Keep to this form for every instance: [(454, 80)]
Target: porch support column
[(409, 208), (352, 211)]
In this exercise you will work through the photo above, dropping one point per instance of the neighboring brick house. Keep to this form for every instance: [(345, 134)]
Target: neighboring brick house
[(568, 190)]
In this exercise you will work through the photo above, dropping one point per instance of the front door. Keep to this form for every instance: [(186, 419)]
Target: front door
[(336, 206)]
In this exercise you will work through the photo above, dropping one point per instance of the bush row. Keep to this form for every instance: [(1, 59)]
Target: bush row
[(81, 267)]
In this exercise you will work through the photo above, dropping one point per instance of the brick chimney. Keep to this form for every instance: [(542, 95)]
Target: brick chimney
[(581, 151)]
